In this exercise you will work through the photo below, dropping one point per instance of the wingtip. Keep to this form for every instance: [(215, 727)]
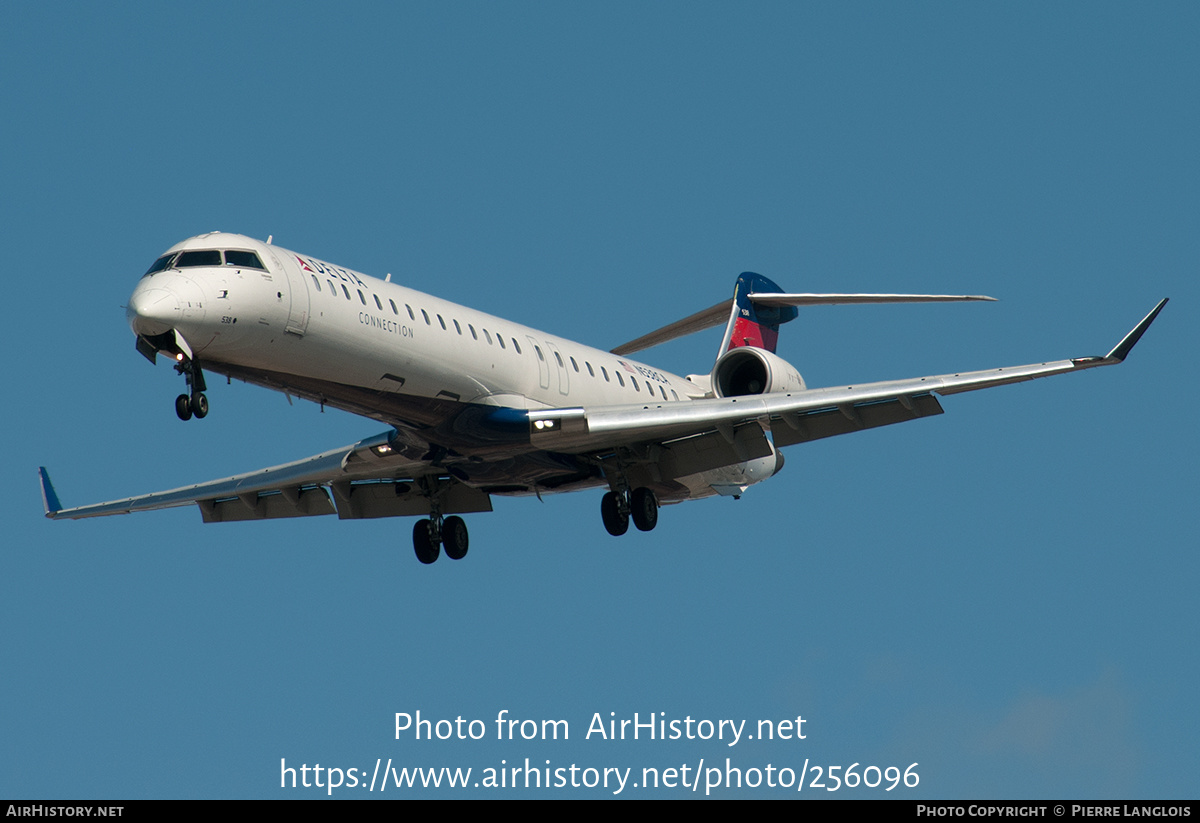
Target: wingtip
[(1122, 349), (49, 498)]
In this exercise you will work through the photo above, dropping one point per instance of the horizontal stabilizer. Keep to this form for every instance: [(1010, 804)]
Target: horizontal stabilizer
[(851, 299), (699, 321), (718, 314)]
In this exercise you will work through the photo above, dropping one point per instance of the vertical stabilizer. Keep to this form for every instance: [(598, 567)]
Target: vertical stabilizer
[(751, 324)]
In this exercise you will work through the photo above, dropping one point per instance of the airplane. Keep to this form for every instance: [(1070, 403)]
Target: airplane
[(478, 406)]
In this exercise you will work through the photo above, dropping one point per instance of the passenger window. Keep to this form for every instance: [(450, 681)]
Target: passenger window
[(243, 259), (663, 392), (377, 303), (620, 379), (332, 289), (392, 303), (575, 365), (516, 345), (190, 259), (487, 336), (604, 372), (360, 296), (589, 365), (538, 349), (673, 394), (558, 357), (457, 327), (345, 291), (474, 336), (633, 380), (443, 322), (500, 340), (425, 314), (316, 282), (411, 316)]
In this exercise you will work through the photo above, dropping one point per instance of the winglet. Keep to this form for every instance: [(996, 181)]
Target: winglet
[(49, 498), (1130, 340)]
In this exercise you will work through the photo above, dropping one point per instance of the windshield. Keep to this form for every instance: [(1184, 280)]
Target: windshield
[(207, 257), (161, 263), (244, 259)]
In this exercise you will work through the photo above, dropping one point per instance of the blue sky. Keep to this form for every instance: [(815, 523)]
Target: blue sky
[(1002, 594)]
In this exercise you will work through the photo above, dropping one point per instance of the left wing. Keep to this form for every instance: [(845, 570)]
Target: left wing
[(366, 480), (805, 415)]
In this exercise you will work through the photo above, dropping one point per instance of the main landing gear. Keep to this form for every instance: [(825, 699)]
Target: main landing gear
[(429, 536), (193, 402), (616, 508)]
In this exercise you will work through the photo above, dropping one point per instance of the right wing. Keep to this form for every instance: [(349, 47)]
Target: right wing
[(804, 415)]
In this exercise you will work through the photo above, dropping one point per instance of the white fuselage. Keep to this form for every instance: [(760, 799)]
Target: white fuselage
[(308, 318), (291, 322)]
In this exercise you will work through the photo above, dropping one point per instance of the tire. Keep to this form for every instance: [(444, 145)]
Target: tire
[(644, 508), (427, 551), (199, 404), (454, 538), (616, 522), (183, 407)]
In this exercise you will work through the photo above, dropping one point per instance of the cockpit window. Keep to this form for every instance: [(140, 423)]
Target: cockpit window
[(207, 257), (161, 264), (243, 259)]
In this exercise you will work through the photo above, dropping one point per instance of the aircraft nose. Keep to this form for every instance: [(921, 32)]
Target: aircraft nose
[(153, 311)]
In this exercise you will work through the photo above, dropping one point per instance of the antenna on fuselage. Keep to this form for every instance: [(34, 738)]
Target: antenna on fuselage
[(388, 279), (269, 238)]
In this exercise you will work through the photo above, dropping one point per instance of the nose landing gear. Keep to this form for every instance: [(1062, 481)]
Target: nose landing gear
[(193, 403)]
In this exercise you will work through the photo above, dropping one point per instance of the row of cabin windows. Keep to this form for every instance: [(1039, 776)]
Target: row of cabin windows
[(488, 337)]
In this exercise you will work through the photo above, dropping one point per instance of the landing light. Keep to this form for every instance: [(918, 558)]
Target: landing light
[(179, 357), (383, 449), (543, 424)]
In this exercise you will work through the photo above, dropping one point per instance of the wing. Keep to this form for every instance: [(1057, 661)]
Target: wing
[(795, 416), (371, 478)]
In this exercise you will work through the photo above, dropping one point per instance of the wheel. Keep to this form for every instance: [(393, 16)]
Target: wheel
[(199, 404), (454, 538), (615, 520), (183, 407), (427, 551), (644, 508)]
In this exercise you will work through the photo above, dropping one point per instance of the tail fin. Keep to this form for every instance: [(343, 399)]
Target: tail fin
[(751, 323)]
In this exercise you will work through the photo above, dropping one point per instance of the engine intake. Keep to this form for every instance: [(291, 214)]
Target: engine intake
[(747, 370)]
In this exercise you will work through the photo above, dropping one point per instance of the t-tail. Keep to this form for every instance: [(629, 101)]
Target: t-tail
[(759, 308), (752, 323)]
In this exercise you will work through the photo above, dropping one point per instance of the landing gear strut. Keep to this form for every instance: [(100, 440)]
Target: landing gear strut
[(192, 403), (616, 508)]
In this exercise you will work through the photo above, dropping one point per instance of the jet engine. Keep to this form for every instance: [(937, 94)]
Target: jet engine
[(749, 370)]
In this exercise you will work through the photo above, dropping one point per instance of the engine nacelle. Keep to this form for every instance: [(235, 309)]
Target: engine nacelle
[(748, 370)]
